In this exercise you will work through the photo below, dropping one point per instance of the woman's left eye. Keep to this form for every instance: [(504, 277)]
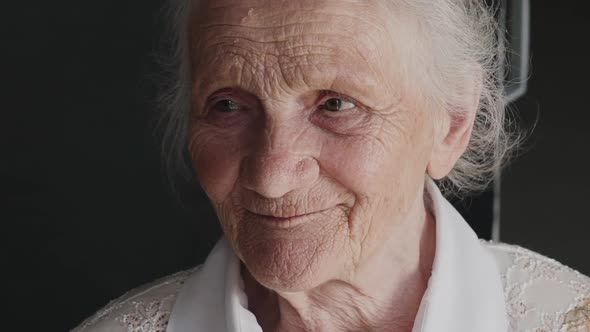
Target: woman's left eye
[(226, 106), (337, 104)]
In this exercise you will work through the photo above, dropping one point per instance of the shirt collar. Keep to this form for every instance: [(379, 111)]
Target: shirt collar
[(464, 292), (212, 299)]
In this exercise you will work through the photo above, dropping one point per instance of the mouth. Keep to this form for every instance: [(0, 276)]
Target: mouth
[(285, 222)]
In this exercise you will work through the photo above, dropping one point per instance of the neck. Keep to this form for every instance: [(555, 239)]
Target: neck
[(384, 294)]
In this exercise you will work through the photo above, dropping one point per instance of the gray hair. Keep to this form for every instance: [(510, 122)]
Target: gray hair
[(467, 32)]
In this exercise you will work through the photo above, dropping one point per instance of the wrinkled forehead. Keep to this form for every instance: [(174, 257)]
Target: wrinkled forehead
[(269, 13), (340, 44)]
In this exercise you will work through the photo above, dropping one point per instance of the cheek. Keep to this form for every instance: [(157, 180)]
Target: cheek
[(382, 166), (369, 164), (216, 160), (357, 163)]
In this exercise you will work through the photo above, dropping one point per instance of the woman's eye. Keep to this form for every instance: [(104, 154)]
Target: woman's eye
[(226, 106), (337, 104)]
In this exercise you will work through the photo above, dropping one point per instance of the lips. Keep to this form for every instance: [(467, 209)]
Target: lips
[(284, 222), (287, 216)]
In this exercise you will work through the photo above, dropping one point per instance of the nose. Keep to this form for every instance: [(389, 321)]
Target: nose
[(276, 168)]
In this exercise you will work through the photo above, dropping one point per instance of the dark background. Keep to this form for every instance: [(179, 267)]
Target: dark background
[(87, 212)]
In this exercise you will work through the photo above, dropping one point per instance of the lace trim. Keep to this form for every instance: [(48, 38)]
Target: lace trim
[(529, 268), (578, 319), (148, 317), (117, 304)]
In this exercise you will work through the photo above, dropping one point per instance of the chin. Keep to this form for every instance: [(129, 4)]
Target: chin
[(290, 265)]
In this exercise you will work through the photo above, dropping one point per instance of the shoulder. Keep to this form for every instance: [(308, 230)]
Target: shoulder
[(146, 308), (541, 294)]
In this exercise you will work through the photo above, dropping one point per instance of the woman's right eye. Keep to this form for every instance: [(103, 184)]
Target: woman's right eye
[(226, 106)]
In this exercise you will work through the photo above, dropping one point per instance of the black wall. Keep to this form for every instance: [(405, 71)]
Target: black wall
[(86, 211), (546, 191)]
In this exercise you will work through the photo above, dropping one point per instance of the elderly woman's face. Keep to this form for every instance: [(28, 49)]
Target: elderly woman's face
[(302, 134)]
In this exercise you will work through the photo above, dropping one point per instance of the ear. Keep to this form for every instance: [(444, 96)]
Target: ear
[(454, 135)]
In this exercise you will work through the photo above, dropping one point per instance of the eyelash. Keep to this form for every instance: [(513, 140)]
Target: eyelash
[(328, 94), (324, 96), (339, 122)]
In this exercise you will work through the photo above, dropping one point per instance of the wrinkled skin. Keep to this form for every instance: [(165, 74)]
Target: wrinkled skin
[(357, 250)]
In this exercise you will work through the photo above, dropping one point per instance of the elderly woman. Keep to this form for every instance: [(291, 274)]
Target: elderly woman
[(321, 131)]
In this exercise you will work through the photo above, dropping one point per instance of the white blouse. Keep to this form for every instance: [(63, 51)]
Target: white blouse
[(474, 286)]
